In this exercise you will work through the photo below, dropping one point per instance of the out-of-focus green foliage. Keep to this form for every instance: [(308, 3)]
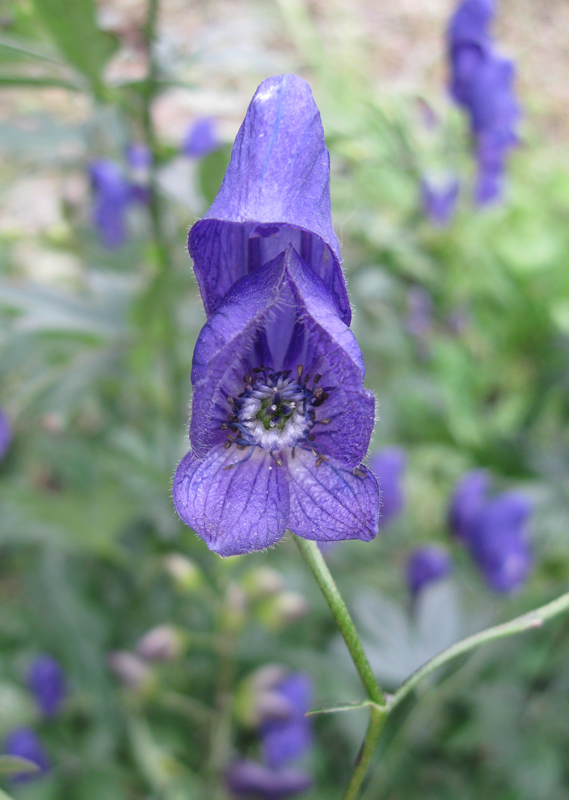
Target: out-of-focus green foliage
[(95, 357)]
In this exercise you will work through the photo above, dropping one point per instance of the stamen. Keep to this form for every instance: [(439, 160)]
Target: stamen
[(317, 378), (299, 370), (325, 421)]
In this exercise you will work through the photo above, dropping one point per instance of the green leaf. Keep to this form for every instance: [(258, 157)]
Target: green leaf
[(333, 708), (4, 796), (73, 27), (10, 765), (38, 83)]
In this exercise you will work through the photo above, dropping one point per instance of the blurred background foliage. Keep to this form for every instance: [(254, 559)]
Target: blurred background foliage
[(95, 356)]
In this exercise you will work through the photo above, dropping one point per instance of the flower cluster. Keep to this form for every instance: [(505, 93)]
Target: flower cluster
[(281, 703), (482, 83), (47, 684), (494, 529), (280, 419)]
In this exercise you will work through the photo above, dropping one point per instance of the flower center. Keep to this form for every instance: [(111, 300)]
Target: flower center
[(274, 411)]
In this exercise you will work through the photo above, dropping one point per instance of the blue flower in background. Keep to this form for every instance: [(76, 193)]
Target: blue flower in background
[(494, 529), (388, 466), (499, 543), (6, 434), (201, 138), (47, 683), (287, 737), (253, 780), (439, 198), (24, 743), (139, 160), (469, 495), (482, 83), (280, 418), (112, 196), (427, 565), (276, 192)]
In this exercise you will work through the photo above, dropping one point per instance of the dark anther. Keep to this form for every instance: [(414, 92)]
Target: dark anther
[(315, 453), (230, 400), (325, 421), (228, 444), (229, 466), (279, 461), (299, 370), (319, 461), (317, 378), (293, 452), (248, 378), (311, 436), (319, 393), (359, 473), (223, 426)]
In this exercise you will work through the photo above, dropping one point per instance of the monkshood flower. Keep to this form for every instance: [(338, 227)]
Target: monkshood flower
[(388, 466), (280, 418), (469, 496), (499, 543), (252, 780), (201, 138), (439, 198), (427, 565), (47, 683), (25, 743), (494, 529), (112, 196), (5, 434), (276, 193), (482, 83), (287, 736)]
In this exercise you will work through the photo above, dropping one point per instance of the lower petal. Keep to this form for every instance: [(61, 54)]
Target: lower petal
[(237, 501), (329, 503)]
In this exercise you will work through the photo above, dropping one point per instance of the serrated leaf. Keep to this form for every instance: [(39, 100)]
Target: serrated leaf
[(11, 765), (73, 27)]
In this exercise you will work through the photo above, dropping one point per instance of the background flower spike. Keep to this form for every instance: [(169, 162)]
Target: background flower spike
[(275, 193)]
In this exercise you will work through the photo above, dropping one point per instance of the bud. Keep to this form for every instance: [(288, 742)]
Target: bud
[(234, 610), (262, 582), (163, 643), (131, 671), (281, 610), (187, 576), (46, 680), (255, 698)]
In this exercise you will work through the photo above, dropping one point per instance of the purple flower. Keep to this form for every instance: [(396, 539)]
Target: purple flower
[(24, 743), (139, 160), (249, 779), (495, 530), (111, 197), (280, 418), (201, 138), (275, 193), (498, 541), (469, 496), (388, 466), (439, 198), (482, 83), (419, 320), (5, 434), (427, 565), (47, 683), (286, 737)]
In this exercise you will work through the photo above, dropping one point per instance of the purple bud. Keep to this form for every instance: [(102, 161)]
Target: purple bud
[(284, 740), (47, 683), (130, 670), (469, 496), (252, 780), (439, 198), (5, 434), (24, 743), (388, 466), (499, 543), (427, 565), (201, 138), (163, 643), (111, 198)]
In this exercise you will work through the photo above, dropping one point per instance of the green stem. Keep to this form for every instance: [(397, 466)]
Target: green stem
[(376, 722), (378, 711), (533, 619), (313, 557)]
